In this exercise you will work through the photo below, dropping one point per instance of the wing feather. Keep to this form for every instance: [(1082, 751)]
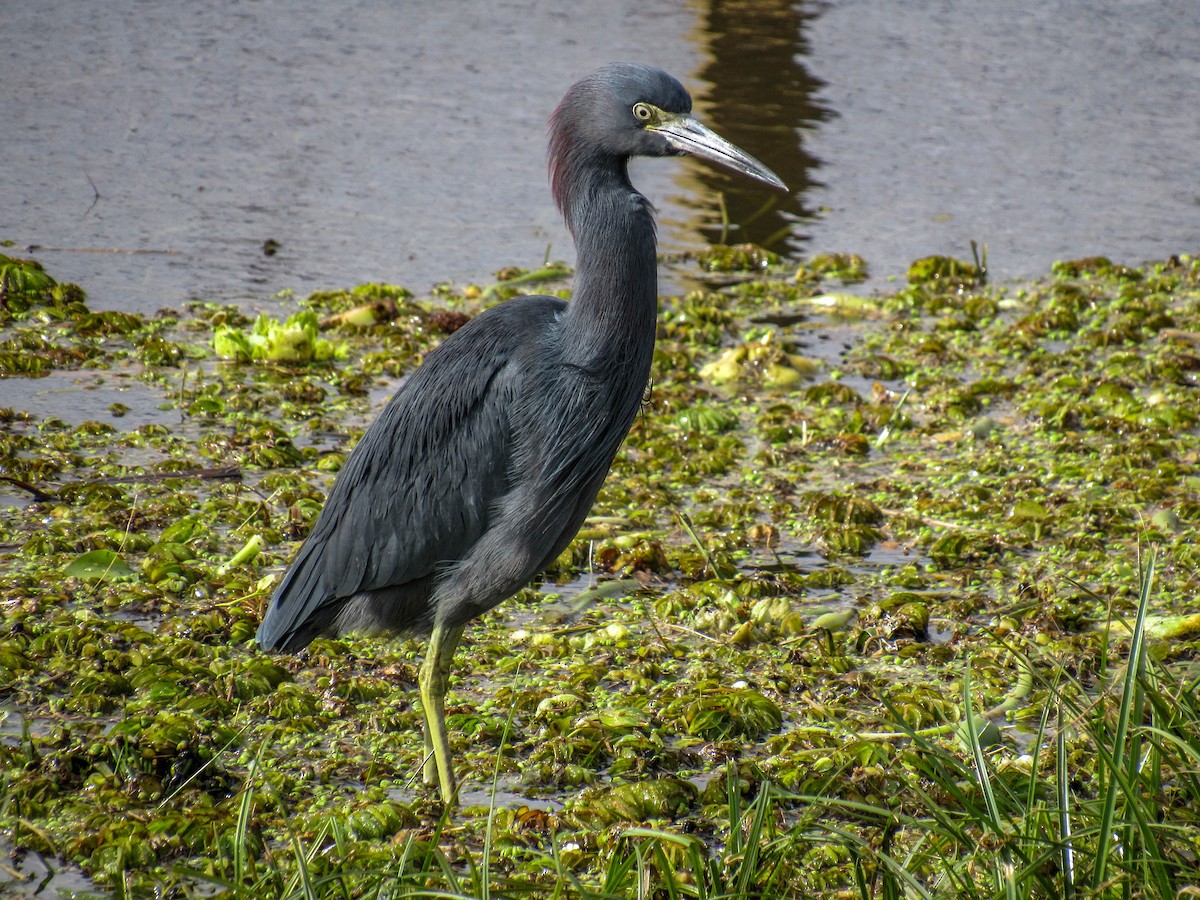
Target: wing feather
[(418, 490)]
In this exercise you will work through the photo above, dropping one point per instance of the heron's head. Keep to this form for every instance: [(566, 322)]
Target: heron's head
[(626, 110)]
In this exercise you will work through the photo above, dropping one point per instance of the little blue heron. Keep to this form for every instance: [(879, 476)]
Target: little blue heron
[(481, 469)]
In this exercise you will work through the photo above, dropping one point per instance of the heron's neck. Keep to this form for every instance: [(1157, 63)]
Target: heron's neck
[(612, 316)]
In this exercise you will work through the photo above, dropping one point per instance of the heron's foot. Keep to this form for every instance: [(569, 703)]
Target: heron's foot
[(434, 681)]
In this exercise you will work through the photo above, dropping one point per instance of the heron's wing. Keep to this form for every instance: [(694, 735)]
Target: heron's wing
[(418, 489)]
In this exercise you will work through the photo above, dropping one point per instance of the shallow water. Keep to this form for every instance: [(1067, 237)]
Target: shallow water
[(386, 142), (75, 396), (150, 151), (29, 874), (1045, 130)]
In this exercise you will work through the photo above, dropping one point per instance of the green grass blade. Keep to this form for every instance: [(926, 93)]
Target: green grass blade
[(486, 864), (616, 875), (245, 805), (1132, 683), (752, 845), (976, 749), (1063, 790), (902, 875)]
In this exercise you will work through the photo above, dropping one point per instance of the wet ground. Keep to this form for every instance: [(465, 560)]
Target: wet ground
[(810, 561)]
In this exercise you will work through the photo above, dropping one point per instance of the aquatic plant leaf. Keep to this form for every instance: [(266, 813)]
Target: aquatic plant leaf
[(1029, 510), (636, 802), (24, 276), (835, 621), (733, 713), (295, 340), (1159, 627), (707, 419), (105, 565), (231, 343)]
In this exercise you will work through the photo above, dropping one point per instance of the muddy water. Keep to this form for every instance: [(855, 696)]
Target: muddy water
[(382, 141), (149, 151), (1048, 130)]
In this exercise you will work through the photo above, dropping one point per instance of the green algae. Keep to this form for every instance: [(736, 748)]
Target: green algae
[(736, 258), (968, 471), (944, 268), (849, 268)]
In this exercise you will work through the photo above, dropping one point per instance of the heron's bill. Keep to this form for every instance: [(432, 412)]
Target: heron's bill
[(687, 135)]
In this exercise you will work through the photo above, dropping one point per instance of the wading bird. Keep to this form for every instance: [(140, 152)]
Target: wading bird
[(481, 469)]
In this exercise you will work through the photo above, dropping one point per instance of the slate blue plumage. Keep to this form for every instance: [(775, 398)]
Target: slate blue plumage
[(483, 466)]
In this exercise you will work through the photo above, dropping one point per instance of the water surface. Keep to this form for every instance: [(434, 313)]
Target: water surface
[(151, 150)]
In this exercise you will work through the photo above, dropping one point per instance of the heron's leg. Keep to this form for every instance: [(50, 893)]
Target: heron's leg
[(434, 681)]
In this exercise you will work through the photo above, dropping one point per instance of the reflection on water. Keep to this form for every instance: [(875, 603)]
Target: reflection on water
[(761, 95), (507, 795), (29, 874)]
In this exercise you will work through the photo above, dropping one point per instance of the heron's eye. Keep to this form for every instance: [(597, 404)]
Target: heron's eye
[(643, 112)]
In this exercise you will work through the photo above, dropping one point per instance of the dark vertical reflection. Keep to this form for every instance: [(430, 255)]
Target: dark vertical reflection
[(761, 97)]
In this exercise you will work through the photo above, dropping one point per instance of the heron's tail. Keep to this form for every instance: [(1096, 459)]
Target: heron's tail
[(301, 608)]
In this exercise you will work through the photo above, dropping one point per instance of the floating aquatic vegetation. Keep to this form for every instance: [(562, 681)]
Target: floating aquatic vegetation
[(849, 268), (101, 564), (942, 268), (1040, 439), (707, 418), (736, 258), (635, 803), (718, 713), (762, 361), (295, 340)]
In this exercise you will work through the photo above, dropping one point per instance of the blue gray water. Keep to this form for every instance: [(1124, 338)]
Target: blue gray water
[(149, 150)]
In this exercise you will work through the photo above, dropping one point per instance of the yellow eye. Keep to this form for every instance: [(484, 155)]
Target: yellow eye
[(643, 112)]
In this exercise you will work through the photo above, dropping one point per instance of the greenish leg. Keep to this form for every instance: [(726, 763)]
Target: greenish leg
[(434, 681)]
